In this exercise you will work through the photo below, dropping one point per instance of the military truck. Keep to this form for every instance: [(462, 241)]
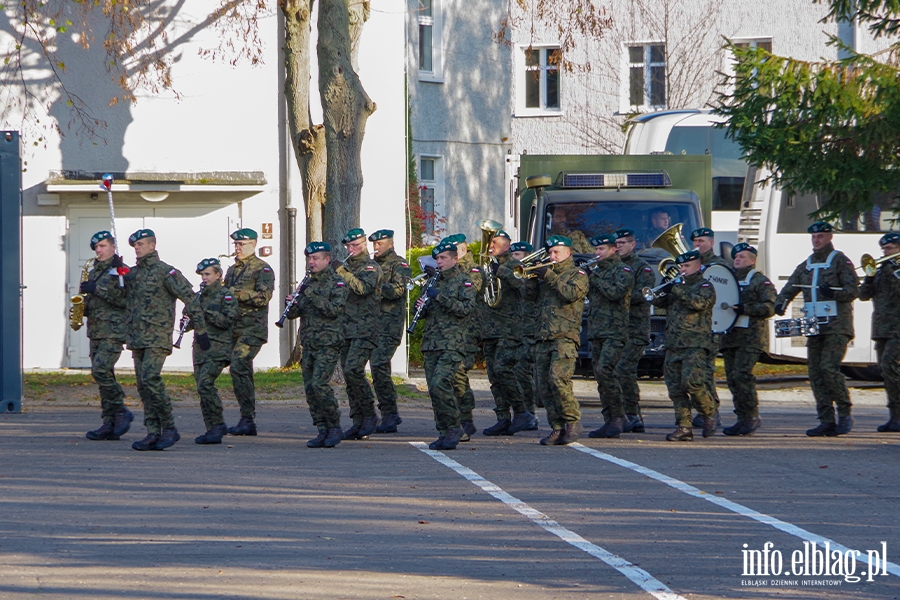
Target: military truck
[(583, 196)]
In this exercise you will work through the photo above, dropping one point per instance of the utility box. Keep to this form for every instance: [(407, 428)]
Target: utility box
[(10, 273)]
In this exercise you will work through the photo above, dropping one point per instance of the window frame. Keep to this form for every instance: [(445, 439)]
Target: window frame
[(436, 22), (647, 65), (437, 185), (521, 68)]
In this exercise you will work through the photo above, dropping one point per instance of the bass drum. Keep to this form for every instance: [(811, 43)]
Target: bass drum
[(728, 293)]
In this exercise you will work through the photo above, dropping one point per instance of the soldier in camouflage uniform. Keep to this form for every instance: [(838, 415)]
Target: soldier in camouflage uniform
[(748, 337), (152, 288), (320, 304), (104, 307), (705, 242), (449, 309), (219, 311), (638, 330), (611, 282), (834, 278), (524, 368), (502, 334), (561, 292), (396, 273), (883, 289), (361, 325), (689, 302), (252, 282)]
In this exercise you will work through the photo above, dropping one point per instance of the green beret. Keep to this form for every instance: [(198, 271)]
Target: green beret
[(702, 232), (889, 238), (558, 240), (687, 256), (608, 239), (624, 233), (314, 247), (244, 234), (139, 235), (521, 247), (456, 238), (381, 234), (444, 247), (99, 237), (740, 248), (503, 234), (353, 234), (206, 263), (820, 227)]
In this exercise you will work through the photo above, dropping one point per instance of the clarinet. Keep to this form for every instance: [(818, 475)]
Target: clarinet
[(293, 300), (185, 320), (421, 309)]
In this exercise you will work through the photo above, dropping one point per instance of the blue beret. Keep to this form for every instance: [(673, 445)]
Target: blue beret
[(206, 263), (244, 234), (820, 227), (314, 247), (521, 247), (702, 232), (687, 256), (139, 235), (740, 248), (607, 239), (353, 234), (444, 247), (889, 238), (502, 234), (381, 234), (99, 237), (624, 233)]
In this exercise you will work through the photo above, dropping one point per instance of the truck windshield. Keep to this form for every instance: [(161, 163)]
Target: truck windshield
[(580, 221)]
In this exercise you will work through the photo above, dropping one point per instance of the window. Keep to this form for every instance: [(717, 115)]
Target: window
[(538, 75), (765, 44), (431, 193), (647, 76), (429, 17)]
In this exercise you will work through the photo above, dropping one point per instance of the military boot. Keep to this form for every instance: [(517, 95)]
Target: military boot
[(333, 437), (451, 438), (319, 440), (734, 429), (245, 426), (600, 431), (551, 439), (681, 434), (612, 429), (633, 424), (437, 444), (570, 434), (368, 426), (148, 443), (354, 433), (167, 438), (750, 425), (698, 420), (501, 427), (845, 424), (535, 425), (822, 429), (893, 425), (212, 436), (122, 422), (709, 426), (106, 432), (521, 422), (389, 423)]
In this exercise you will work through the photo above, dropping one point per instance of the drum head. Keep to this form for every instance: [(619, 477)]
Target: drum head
[(728, 293)]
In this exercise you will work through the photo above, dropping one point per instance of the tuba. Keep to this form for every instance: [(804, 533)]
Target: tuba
[(491, 284), (674, 243), (76, 311)]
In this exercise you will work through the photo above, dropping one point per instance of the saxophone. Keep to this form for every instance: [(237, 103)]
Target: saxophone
[(76, 311)]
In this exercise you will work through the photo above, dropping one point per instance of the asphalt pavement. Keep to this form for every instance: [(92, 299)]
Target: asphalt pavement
[(267, 518)]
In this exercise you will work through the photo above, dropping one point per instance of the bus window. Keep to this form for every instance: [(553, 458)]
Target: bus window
[(794, 210), (728, 165), (792, 218)]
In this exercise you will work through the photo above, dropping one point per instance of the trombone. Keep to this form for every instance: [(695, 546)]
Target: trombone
[(869, 265)]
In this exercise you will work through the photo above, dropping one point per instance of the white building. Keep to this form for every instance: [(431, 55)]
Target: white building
[(215, 157)]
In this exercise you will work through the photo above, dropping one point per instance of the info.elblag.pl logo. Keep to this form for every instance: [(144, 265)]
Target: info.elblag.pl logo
[(812, 561)]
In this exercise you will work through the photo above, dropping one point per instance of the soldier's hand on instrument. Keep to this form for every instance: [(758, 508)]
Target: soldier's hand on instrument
[(88, 287), (667, 289), (203, 341), (779, 309), (738, 308), (825, 291), (288, 299), (430, 270), (433, 292), (419, 303), (335, 264), (541, 271), (116, 262), (495, 266)]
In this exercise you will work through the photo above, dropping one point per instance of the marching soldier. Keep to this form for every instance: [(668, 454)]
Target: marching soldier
[(638, 330), (689, 343), (502, 334), (705, 242), (562, 290), (320, 304), (742, 345), (153, 286), (449, 309), (104, 307), (826, 276), (883, 289), (524, 368), (219, 311), (362, 317), (611, 283), (252, 283), (390, 329)]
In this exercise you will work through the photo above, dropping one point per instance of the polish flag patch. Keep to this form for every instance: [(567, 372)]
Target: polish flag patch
[(229, 298), (173, 271), (468, 284), (340, 284)]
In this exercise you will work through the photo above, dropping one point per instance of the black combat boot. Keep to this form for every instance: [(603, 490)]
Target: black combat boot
[(600, 431), (709, 426), (612, 429), (148, 443), (333, 437), (534, 425), (389, 423), (106, 432), (437, 444), (822, 429), (468, 427), (319, 440), (844, 425), (750, 425), (122, 422), (451, 438), (501, 427), (368, 426), (353, 432), (681, 434), (893, 425), (570, 434), (734, 429), (246, 426), (212, 436), (167, 438), (551, 439), (521, 422)]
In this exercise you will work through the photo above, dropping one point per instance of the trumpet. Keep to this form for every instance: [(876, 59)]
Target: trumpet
[(651, 294), (589, 264), (869, 265), (531, 262)]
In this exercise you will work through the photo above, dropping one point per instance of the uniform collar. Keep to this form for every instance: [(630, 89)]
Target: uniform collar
[(150, 259), (386, 256), (822, 253), (695, 277), (358, 258), (743, 271)]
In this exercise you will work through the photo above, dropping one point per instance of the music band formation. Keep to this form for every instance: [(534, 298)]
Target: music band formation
[(522, 308)]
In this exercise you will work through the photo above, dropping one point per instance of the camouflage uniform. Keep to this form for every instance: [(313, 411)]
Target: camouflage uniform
[(638, 333), (742, 345), (321, 309), (220, 311), (461, 382), (151, 290), (362, 318), (826, 350), (561, 296), (611, 282), (884, 291), (252, 282), (711, 258), (688, 346), (390, 327), (524, 369), (105, 312), (447, 329)]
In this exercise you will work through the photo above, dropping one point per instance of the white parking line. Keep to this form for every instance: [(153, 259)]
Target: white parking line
[(642, 578), (740, 509)]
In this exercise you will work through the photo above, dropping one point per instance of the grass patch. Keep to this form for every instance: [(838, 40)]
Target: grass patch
[(766, 370)]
